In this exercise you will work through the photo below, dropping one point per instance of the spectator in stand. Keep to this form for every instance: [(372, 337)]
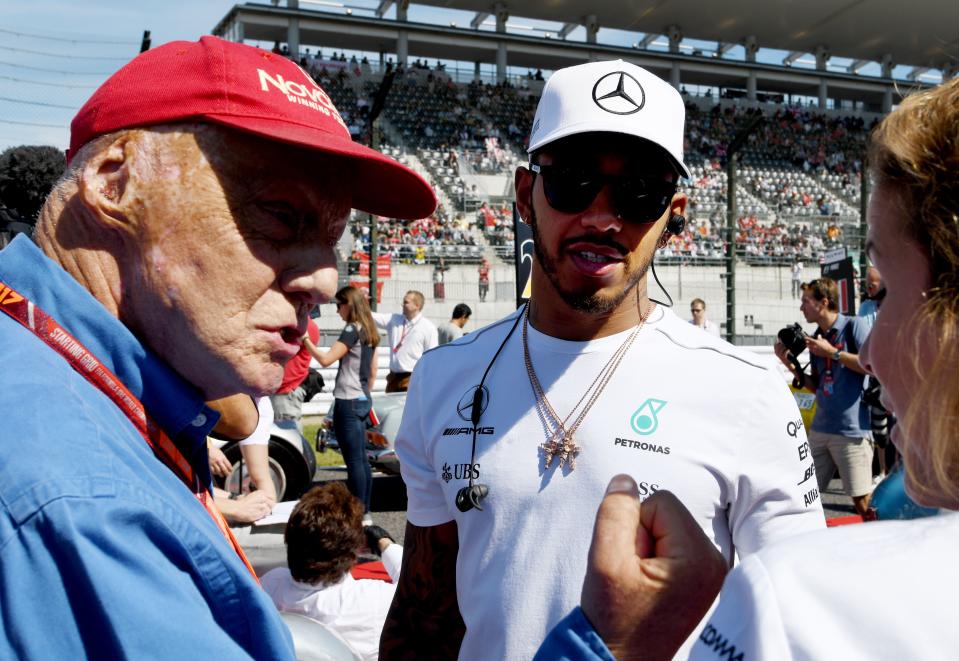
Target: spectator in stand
[(839, 437), (483, 273), (698, 309), (816, 596), (453, 329), (355, 350), (323, 536), (288, 399), (411, 335)]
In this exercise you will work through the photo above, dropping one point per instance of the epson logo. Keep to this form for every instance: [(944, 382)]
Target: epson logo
[(456, 431), (312, 96)]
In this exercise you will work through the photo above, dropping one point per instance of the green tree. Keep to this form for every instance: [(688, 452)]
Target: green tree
[(27, 173)]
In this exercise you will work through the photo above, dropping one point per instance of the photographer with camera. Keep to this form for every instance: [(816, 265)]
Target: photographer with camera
[(839, 437)]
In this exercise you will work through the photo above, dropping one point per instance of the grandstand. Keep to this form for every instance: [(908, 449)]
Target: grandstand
[(799, 180)]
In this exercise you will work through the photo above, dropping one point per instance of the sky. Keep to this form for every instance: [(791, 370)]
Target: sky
[(55, 53)]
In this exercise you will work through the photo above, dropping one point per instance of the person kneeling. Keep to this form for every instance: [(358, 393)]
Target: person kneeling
[(322, 536)]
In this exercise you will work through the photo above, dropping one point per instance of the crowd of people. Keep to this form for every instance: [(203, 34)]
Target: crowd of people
[(418, 241), (800, 164)]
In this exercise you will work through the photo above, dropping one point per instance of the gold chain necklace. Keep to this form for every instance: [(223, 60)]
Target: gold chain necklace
[(560, 442)]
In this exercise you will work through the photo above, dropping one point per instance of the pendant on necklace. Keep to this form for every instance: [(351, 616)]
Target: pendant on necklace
[(565, 451)]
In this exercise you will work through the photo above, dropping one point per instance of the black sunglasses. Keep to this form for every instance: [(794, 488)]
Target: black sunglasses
[(637, 198)]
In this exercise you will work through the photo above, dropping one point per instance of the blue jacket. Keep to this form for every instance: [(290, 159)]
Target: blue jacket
[(104, 552)]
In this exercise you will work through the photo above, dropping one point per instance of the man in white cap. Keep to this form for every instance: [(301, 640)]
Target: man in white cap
[(509, 439)]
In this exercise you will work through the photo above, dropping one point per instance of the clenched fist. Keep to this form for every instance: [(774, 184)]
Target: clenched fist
[(652, 573)]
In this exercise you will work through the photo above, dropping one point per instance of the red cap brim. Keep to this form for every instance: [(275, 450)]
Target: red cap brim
[(253, 91), (381, 185)]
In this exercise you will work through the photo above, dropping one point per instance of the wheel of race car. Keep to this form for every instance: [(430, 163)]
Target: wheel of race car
[(232, 481), (296, 474), (287, 471)]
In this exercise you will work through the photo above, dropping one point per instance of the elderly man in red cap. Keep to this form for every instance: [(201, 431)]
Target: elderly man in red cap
[(176, 261)]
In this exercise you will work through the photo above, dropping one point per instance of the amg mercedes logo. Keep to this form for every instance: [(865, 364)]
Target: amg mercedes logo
[(619, 93), (465, 406)]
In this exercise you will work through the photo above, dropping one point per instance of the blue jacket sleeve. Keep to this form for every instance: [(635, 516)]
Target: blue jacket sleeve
[(101, 577), (573, 639)]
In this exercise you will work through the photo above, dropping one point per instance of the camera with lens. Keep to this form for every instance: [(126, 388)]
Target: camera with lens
[(793, 337)]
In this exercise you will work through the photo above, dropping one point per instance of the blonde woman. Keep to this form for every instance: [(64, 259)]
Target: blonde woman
[(356, 351)]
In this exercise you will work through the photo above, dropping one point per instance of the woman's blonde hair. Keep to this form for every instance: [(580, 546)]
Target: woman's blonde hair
[(915, 152), (360, 314)]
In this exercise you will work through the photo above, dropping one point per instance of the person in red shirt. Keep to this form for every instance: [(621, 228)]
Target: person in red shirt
[(288, 399), (483, 271)]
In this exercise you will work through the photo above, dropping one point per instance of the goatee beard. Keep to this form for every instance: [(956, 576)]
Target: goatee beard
[(585, 302)]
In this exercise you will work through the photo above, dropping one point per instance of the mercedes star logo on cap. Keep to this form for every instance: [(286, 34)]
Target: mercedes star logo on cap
[(619, 93)]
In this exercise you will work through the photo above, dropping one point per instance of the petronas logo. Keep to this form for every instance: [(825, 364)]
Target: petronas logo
[(644, 421)]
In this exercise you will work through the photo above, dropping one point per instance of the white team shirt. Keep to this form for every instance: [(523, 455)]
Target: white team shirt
[(685, 412), (355, 609), (882, 590), (409, 338)]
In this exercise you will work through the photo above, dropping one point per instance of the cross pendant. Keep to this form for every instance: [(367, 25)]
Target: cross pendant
[(565, 451)]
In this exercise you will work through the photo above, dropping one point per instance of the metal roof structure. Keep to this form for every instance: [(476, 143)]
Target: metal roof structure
[(922, 33), (925, 37)]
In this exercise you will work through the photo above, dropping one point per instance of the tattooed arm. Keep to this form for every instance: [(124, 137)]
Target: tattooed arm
[(424, 620)]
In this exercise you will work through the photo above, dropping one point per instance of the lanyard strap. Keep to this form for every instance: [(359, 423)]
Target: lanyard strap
[(51, 333), (407, 327)]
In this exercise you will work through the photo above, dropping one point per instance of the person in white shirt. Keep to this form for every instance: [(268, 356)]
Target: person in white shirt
[(510, 435), (411, 335), (881, 589), (697, 308), (796, 278), (323, 535)]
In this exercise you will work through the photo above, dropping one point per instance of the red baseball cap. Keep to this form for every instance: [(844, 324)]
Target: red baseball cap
[(251, 90)]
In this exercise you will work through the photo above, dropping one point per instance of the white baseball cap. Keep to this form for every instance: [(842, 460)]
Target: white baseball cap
[(612, 97)]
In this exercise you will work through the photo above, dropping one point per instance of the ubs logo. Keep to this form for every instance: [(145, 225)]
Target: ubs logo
[(460, 472), (619, 93), (464, 408)]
